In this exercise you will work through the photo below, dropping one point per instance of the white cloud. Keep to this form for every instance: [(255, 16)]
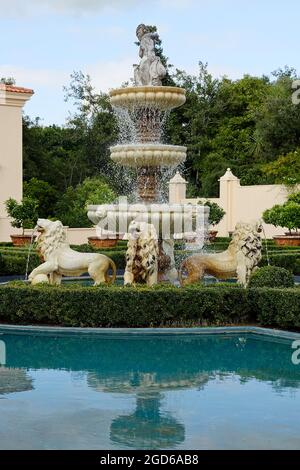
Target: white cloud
[(111, 74), (104, 75), (18, 8), (34, 77), (176, 3)]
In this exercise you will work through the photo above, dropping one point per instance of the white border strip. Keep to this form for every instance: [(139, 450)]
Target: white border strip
[(61, 330)]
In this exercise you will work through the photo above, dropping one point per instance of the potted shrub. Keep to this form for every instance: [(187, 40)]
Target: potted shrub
[(24, 216), (286, 215), (216, 214)]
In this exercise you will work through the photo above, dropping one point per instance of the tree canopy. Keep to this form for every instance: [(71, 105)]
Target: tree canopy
[(249, 125)]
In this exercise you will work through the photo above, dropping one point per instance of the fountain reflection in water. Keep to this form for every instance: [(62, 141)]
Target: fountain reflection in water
[(94, 393)]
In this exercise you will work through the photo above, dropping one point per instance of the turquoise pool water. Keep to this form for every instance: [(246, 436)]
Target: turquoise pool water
[(237, 391)]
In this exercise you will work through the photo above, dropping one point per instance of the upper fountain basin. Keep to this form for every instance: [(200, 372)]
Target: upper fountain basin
[(159, 97), (137, 155)]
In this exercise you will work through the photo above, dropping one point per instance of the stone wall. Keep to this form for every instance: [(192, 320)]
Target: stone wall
[(12, 100), (241, 203)]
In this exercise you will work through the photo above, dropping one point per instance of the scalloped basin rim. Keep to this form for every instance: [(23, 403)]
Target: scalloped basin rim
[(147, 89), (155, 155), (152, 147), (164, 207)]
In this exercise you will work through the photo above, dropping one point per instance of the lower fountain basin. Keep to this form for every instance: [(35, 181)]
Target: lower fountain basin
[(157, 155), (171, 221)]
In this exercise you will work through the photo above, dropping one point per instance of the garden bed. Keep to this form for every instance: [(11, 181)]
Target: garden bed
[(13, 260), (149, 307)]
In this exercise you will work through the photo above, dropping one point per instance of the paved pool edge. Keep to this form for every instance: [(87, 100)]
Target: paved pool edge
[(61, 330)]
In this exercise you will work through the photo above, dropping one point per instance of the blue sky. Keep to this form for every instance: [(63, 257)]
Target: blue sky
[(43, 41)]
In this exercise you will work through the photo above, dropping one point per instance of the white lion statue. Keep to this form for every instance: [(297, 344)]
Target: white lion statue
[(142, 254), (61, 260), (239, 260)]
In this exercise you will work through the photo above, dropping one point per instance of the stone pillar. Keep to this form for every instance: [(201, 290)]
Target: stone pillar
[(12, 100), (229, 185), (177, 189)]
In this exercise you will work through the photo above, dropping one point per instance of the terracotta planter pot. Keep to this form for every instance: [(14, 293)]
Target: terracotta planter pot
[(102, 242), (287, 240), (20, 240), (212, 235)]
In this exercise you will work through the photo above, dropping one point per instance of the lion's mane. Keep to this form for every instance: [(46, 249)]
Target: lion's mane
[(142, 253), (246, 241), (51, 239)]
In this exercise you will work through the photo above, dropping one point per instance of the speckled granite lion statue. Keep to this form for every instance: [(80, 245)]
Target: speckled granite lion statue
[(142, 254), (61, 260), (239, 260)]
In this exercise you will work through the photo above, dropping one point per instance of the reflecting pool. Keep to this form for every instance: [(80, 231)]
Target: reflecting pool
[(233, 391)]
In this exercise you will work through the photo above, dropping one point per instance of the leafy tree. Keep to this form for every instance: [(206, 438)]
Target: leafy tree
[(24, 214), (217, 124), (285, 169), (93, 120), (294, 197), (72, 207), (285, 215), (193, 124), (249, 125), (216, 213), (44, 193), (7, 81), (278, 119)]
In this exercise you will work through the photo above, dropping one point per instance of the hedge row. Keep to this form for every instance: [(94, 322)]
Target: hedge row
[(290, 261), (144, 307), (15, 264), (276, 307)]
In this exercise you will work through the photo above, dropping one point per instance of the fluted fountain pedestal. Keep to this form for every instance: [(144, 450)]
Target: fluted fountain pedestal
[(148, 183)]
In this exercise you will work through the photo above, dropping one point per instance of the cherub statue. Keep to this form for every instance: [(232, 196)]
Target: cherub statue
[(150, 71)]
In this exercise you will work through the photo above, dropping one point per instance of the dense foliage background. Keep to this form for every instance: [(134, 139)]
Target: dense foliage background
[(249, 125)]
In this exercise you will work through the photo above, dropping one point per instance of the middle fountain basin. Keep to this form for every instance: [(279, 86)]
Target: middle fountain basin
[(158, 155)]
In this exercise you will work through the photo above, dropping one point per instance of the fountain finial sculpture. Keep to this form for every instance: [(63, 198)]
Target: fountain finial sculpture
[(150, 71)]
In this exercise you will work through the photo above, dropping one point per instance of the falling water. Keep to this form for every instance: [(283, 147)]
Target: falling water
[(266, 246), (127, 129), (141, 124), (29, 252)]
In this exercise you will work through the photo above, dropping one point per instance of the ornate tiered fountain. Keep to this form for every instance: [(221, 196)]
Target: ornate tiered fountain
[(150, 225), (143, 109)]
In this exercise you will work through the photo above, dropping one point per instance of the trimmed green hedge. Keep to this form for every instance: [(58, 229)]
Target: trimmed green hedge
[(115, 306), (13, 260), (11, 265), (290, 261), (15, 264), (122, 306), (276, 307), (271, 276)]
